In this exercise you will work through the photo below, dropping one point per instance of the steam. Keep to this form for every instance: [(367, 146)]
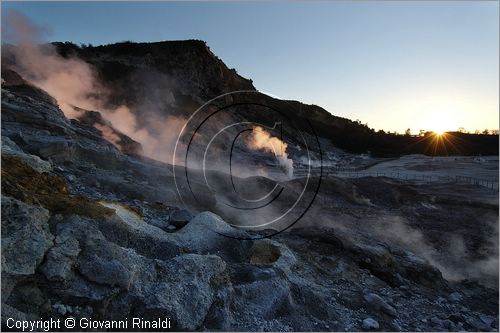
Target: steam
[(454, 261), (69, 81), (452, 257), (263, 140), (73, 82), (109, 134)]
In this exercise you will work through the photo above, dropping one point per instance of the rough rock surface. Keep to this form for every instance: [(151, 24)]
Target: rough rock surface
[(180, 218), (25, 239)]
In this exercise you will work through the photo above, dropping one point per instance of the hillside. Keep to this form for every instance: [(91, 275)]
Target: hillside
[(185, 74)]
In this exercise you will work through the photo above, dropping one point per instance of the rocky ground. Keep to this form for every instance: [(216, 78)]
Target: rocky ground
[(88, 231)]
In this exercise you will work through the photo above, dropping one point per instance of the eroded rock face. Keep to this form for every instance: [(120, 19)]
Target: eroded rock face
[(121, 141), (36, 163)]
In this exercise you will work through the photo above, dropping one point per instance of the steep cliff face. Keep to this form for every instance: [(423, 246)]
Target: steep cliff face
[(177, 77), (174, 75)]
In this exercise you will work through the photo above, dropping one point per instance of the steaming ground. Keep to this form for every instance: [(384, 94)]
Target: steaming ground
[(454, 226)]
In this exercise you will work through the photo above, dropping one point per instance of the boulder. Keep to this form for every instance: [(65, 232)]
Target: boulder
[(370, 324), (87, 264), (25, 237), (168, 289), (378, 303), (208, 233), (25, 240)]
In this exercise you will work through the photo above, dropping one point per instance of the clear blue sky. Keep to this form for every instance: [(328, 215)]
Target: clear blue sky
[(394, 65)]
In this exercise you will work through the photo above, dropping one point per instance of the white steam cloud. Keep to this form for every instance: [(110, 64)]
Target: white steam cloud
[(263, 140), (71, 81)]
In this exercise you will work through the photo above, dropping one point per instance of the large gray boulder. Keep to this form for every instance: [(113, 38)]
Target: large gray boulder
[(25, 240), (182, 289), (207, 233), (127, 279)]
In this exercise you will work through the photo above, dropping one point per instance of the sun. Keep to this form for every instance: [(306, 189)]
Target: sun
[(439, 132), (439, 126), (439, 122)]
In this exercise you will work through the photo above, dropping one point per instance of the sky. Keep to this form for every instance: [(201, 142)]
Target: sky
[(391, 64)]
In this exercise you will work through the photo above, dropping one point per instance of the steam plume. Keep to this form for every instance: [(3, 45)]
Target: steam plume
[(263, 140), (72, 82)]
